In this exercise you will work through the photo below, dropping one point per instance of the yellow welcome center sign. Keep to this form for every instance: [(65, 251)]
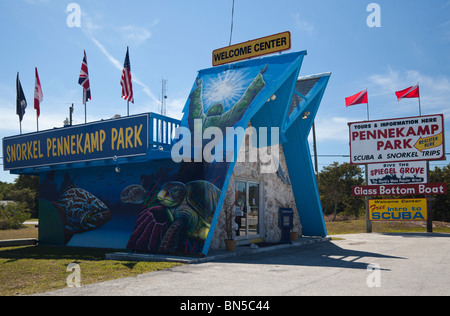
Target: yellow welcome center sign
[(398, 210), (258, 47)]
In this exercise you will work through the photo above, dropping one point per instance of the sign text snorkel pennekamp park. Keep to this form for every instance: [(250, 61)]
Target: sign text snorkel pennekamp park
[(124, 137), (254, 48), (395, 140)]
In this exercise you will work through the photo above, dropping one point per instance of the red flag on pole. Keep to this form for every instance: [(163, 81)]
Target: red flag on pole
[(359, 98), (38, 96), (411, 92)]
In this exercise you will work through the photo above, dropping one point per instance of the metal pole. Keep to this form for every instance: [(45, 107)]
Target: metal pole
[(315, 152), (429, 202), (368, 117), (368, 221), (128, 108), (70, 114), (420, 110)]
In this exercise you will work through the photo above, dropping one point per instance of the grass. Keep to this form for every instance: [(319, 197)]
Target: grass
[(29, 231), (37, 269), (357, 226)]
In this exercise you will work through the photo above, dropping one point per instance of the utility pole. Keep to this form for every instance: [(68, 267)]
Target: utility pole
[(164, 97), (70, 114)]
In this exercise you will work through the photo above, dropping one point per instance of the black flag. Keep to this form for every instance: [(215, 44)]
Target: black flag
[(21, 102)]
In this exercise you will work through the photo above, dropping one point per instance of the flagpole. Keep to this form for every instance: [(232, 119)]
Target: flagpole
[(420, 110), (128, 108), (37, 122), (368, 118)]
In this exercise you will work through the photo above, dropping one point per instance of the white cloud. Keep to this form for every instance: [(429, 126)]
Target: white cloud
[(332, 129), (303, 25), (135, 35)]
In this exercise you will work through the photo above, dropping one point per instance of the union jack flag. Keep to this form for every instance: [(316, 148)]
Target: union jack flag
[(84, 80), (127, 86)]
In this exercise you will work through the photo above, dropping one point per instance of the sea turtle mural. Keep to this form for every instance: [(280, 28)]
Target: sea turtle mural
[(215, 115), (180, 215)]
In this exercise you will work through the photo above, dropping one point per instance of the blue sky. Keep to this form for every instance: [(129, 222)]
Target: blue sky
[(173, 39)]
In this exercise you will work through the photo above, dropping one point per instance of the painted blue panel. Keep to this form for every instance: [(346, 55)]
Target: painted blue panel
[(304, 186)]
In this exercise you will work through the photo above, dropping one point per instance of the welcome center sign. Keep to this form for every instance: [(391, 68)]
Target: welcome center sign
[(254, 48), (394, 140)]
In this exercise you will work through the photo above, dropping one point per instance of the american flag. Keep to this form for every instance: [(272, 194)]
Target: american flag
[(127, 86), (84, 80)]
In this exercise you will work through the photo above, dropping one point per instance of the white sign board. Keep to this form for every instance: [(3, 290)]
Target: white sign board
[(395, 140), (398, 173)]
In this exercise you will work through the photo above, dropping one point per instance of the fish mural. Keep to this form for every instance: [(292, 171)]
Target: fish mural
[(80, 212), (178, 219), (134, 194)]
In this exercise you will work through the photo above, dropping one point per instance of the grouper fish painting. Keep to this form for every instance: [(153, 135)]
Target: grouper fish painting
[(81, 212)]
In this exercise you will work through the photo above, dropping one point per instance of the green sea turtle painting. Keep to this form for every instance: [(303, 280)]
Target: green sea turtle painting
[(216, 114)]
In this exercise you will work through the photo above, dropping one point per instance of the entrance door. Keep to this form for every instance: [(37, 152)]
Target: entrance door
[(248, 210)]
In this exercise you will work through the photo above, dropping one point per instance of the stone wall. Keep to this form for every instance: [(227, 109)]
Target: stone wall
[(276, 193)]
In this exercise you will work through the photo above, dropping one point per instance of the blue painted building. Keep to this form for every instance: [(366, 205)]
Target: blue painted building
[(149, 183)]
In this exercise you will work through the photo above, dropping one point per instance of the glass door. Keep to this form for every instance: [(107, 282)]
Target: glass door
[(247, 208)]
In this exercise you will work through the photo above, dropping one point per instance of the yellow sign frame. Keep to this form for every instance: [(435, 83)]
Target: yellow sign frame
[(398, 210), (254, 48)]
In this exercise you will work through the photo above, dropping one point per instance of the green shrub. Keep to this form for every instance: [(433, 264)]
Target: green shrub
[(13, 215)]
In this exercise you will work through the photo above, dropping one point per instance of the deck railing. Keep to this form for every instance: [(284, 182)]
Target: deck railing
[(162, 131)]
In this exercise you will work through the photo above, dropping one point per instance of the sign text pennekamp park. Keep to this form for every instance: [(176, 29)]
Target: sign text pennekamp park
[(394, 140)]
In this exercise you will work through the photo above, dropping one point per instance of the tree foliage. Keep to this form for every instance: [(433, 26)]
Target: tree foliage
[(13, 215), (25, 193), (335, 189), (441, 205)]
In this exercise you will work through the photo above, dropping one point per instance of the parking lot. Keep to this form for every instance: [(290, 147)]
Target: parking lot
[(359, 264)]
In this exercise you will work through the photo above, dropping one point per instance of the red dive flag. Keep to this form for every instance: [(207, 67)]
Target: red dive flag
[(411, 92), (359, 98), (127, 86), (84, 80), (38, 96)]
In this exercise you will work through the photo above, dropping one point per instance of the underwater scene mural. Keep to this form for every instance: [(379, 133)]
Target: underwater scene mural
[(161, 211)]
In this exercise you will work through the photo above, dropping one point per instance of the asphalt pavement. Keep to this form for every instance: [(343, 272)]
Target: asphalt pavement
[(360, 264)]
